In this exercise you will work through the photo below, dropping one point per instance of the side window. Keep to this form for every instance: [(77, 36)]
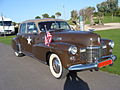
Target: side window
[(31, 27), (23, 28), (63, 25), (54, 26)]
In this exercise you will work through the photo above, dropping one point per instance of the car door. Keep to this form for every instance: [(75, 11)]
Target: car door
[(27, 37), (21, 36), (32, 33)]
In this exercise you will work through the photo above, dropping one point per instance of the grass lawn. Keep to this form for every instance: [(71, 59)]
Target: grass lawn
[(107, 19), (6, 40), (115, 36), (109, 34)]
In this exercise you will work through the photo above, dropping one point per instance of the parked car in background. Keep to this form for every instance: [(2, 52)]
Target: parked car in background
[(6, 26), (54, 43)]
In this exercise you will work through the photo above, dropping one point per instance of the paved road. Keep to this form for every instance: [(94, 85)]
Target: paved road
[(25, 73)]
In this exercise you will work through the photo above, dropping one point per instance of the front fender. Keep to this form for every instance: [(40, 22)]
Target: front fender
[(61, 49), (105, 42)]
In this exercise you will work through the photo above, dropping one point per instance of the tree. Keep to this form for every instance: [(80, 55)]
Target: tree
[(45, 15), (53, 16), (58, 14), (74, 19), (14, 23), (103, 7), (37, 17), (90, 12), (87, 13), (113, 6), (109, 6), (74, 15)]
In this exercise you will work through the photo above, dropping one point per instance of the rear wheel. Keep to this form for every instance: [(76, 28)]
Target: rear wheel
[(56, 68), (17, 52)]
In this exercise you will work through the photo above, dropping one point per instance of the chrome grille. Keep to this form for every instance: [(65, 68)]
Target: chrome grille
[(90, 54), (104, 51)]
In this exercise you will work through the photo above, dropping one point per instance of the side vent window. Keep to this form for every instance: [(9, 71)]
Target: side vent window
[(23, 28)]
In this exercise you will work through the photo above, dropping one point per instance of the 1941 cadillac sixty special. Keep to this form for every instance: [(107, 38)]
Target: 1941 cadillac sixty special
[(54, 43)]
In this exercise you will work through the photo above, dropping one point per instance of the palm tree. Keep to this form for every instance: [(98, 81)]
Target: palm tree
[(45, 15), (53, 16), (58, 14), (37, 17)]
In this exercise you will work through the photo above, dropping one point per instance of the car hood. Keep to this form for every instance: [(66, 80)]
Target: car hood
[(82, 38)]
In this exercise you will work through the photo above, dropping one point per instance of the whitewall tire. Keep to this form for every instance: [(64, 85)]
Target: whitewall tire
[(56, 67), (18, 54)]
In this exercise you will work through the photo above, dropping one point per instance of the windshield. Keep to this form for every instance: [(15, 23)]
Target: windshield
[(5, 23), (54, 25)]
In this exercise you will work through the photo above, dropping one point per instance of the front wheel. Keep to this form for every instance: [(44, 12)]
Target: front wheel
[(56, 68)]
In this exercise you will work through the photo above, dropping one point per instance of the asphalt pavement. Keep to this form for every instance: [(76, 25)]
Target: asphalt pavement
[(26, 73)]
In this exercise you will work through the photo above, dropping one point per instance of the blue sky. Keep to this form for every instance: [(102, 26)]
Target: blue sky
[(20, 10)]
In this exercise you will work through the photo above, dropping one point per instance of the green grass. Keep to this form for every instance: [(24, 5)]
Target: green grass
[(107, 19), (6, 40), (114, 35)]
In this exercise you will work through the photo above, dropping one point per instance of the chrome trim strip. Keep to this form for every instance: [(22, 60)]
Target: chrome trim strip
[(93, 47), (114, 57), (83, 66)]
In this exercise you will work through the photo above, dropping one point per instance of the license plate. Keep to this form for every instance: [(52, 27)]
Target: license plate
[(105, 63)]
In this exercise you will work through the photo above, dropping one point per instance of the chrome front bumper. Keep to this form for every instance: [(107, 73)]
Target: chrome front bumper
[(89, 66)]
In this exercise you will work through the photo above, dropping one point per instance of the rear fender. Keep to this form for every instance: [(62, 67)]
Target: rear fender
[(15, 44)]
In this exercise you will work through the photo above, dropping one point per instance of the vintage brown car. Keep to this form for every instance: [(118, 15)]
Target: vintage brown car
[(54, 43)]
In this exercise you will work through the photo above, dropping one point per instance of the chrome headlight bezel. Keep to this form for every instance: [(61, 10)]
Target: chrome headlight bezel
[(73, 49), (111, 44)]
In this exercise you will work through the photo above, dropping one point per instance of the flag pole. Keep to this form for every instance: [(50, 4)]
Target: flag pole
[(3, 24)]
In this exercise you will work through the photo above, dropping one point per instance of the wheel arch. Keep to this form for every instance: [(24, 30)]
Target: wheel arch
[(61, 50)]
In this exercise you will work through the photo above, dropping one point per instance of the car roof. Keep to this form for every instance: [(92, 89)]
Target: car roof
[(42, 20)]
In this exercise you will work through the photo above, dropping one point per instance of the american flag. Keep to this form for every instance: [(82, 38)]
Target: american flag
[(48, 38)]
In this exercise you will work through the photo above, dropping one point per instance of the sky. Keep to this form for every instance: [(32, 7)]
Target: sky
[(21, 10)]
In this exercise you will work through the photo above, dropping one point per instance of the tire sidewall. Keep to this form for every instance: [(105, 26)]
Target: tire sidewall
[(52, 56), (17, 54)]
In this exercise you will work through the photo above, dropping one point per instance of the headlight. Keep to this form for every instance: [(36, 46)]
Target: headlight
[(111, 44), (72, 50)]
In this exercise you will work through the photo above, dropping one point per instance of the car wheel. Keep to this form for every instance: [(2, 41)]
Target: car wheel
[(18, 54), (56, 68)]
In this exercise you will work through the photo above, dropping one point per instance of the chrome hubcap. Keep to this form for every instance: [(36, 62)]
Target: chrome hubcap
[(56, 65)]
